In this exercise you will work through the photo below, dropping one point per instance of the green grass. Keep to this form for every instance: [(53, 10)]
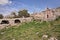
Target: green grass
[(28, 31)]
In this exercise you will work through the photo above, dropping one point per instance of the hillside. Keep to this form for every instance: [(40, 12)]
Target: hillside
[(33, 30)]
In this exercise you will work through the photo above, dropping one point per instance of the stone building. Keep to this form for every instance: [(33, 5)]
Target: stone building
[(46, 15)]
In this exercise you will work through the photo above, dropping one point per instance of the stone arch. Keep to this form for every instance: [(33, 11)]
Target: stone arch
[(17, 21), (4, 22)]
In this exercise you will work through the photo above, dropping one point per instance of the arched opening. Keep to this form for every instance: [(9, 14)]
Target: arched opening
[(47, 16), (5, 22), (17, 21)]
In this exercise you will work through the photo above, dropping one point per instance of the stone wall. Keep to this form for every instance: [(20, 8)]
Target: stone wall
[(12, 21)]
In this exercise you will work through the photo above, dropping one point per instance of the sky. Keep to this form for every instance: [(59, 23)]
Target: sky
[(8, 6)]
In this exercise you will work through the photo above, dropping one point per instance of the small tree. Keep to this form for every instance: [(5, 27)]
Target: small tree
[(1, 16), (23, 13), (14, 14)]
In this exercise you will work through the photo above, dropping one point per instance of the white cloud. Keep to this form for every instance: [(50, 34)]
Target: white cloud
[(5, 2), (10, 2)]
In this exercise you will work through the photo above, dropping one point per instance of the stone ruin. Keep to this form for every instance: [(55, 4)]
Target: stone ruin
[(11, 22), (46, 15)]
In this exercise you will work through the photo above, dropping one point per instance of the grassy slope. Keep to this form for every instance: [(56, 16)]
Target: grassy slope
[(31, 31)]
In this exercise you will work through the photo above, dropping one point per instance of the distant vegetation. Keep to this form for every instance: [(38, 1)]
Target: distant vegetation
[(13, 13), (23, 13), (1, 16)]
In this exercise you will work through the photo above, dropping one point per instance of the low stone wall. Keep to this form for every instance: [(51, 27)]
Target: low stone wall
[(12, 21)]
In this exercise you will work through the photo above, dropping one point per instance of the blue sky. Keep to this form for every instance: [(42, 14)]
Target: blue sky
[(7, 6)]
